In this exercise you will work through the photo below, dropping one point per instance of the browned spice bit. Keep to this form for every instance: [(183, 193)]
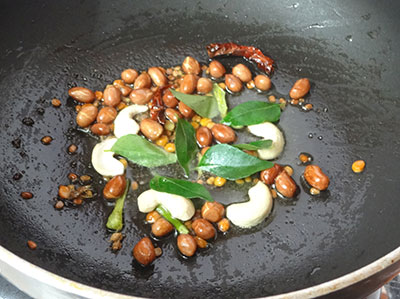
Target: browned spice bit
[(72, 177), (117, 245), (17, 176), (307, 107), (85, 191), (288, 169), (314, 191), (32, 245), (273, 193), (188, 224), (272, 99), (59, 205), (72, 148), (201, 243), (64, 192), (77, 201), (282, 101), (116, 237), (158, 251), (46, 140), (152, 217), (134, 185), (250, 84), (85, 178), (56, 102), (27, 121), (223, 225), (294, 102), (26, 195)]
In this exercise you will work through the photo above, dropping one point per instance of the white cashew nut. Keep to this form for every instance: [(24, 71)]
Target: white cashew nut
[(124, 123), (268, 130), (180, 207), (104, 162), (252, 212)]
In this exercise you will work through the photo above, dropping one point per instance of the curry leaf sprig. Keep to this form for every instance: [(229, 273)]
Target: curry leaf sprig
[(230, 162), (252, 113), (255, 145), (180, 187), (140, 151), (185, 144)]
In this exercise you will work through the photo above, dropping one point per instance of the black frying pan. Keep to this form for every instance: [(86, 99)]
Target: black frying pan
[(349, 52)]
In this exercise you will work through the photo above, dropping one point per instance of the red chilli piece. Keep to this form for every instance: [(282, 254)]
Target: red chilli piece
[(251, 53), (156, 106)]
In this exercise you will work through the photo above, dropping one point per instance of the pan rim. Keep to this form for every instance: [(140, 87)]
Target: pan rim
[(23, 274)]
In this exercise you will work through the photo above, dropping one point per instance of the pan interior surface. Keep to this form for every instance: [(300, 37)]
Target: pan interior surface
[(347, 52)]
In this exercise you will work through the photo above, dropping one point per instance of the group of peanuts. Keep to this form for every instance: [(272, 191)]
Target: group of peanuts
[(202, 227), (99, 109)]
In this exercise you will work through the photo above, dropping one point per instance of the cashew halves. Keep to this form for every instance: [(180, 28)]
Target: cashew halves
[(104, 162), (124, 123), (180, 207), (252, 212), (268, 130)]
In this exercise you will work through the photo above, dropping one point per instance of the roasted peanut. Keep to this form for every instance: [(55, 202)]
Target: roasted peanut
[(144, 251), (81, 94), (100, 129), (315, 177), (213, 211), (188, 84), (172, 114), (186, 244), (112, 96), (125, 90), (157, 76), (216, 69), (161, 227), (185, 110), (285, 185), (300, 88), (143, 81), (191, 66), (106, 115), (223, 133), (141, 96), (204, 136), (129, 75), (204, 85), (268, 176), (233, 83), (169, 99), (262, 82), (151, 129), (203, 228), (86, 115), (114, 187), (242, 72)]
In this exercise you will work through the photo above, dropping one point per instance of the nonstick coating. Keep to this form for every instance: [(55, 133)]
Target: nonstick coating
[(349, 50)]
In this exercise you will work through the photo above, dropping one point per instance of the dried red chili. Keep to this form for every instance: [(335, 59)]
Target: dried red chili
[(156, 105), (251, 53)]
